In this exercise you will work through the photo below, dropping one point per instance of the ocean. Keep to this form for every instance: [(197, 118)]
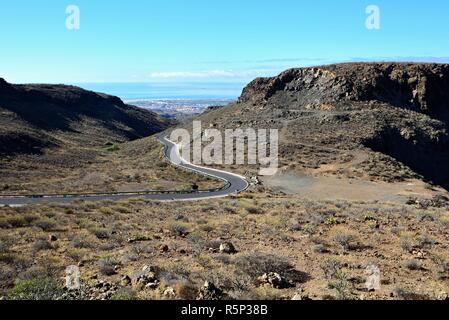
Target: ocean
[(171, 98)]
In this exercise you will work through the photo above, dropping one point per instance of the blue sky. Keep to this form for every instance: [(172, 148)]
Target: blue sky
[(205, 40)]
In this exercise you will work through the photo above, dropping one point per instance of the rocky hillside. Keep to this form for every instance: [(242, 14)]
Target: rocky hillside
[(386, 121), (35, 117)]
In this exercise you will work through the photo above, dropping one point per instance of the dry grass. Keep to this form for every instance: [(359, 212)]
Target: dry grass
[(115, 239), (133, 166)]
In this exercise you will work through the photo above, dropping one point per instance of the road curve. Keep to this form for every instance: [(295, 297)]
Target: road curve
[(233, 184)]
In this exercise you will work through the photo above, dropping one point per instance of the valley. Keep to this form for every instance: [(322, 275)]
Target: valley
[(360, 195)]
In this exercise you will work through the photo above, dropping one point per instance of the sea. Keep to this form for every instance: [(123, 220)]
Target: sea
[(169, 97)]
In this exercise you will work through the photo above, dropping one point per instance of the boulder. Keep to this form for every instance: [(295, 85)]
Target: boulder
[(273, 279), (227, 248), (209, 292), (169, 293), (145, 279), (125, 281)]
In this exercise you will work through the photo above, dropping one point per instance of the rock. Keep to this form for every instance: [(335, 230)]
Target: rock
[(138, 239), (300, 296), (164, 248), (255, 181), (209, 292), (273, 279), (145, 279), (152, 285), (227, 247), (442, 296), (169, 293), (102, 291), (373, 281), (125, 281), (146, 268), (52, 238)]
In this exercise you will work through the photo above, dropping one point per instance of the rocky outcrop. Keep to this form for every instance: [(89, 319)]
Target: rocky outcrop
[(397, 113), (209, 292), (274, 280), (419, 87), (32, 116)]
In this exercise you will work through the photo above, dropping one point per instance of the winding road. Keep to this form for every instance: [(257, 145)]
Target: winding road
[(233, 184)]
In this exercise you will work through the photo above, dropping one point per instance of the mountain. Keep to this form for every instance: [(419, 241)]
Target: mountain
[(376, 121), (35, 117)]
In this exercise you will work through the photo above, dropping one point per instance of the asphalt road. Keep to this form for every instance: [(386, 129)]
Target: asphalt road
[(233, 184)]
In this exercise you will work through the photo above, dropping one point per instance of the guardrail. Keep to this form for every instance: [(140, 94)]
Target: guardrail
[(87, 195), (101, 194)]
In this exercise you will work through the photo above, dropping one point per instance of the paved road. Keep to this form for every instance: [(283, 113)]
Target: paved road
[(233, 184)]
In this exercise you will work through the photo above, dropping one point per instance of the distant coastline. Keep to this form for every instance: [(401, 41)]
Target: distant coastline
[(178, 108), (168, 90), (171, 100)]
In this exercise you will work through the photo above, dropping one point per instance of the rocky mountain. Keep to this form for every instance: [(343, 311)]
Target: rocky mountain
[(35, 117), (386, 121)]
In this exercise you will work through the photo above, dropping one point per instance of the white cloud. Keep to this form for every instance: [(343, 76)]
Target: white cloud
[(210, 74)]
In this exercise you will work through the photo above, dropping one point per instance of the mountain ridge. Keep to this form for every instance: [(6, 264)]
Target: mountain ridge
[(395, 113), (35, 116)]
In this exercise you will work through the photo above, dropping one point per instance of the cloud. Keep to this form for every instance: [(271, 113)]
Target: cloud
[(268, 60), (273, 67), (211, 74), (404, 59)]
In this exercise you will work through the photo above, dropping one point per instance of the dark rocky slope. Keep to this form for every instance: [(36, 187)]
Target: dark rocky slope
[(34, 117), (397, 113)]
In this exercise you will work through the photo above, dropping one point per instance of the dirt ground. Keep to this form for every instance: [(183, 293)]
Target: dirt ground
[(320, 248)]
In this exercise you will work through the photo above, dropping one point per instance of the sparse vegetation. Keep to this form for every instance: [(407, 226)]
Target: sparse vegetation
[(107, 266), (101, 233), (36, 289), (42, 244), (345, 238), (46, 224), (258, 263), (179, 229), (110, 246), (354, 131), (413, 265)]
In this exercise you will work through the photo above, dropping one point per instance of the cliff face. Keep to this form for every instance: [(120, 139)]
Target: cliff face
[(36, 116), (397, 113), (419, 87)]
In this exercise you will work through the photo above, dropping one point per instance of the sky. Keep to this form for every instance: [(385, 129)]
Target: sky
[(209, 40)]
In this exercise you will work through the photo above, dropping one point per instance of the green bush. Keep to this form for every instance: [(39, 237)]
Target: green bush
[(113, 148), (254, 210), (3, 247), (107, 266), (46, 224), (36, 289), (256, 264), (124, 294), (41, 244), (101, 233), (13, 222), (178, 229)]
